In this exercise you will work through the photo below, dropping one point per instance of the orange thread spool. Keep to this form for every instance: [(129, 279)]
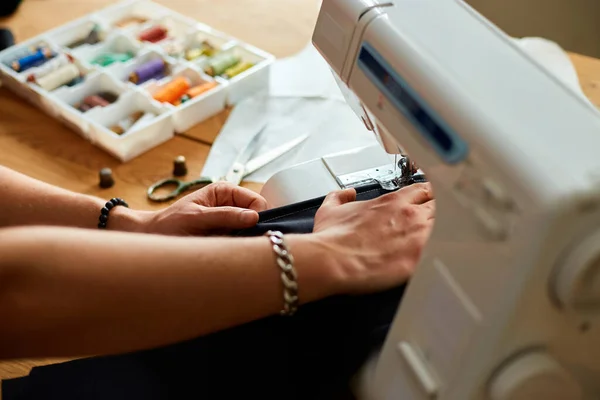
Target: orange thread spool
[(198, 90), (173, 90)]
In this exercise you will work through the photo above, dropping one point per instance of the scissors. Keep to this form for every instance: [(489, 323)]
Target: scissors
[(241, 168)]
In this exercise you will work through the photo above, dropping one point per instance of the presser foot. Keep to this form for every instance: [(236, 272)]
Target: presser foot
[(389, 177)]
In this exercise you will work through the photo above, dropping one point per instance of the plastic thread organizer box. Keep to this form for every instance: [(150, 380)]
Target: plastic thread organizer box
[(130, 76)]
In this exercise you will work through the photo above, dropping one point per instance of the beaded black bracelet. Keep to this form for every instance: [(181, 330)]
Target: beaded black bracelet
[(106, 209)]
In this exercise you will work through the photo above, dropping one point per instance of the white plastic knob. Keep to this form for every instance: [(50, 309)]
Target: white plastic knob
[(534, 376), (576, 284)]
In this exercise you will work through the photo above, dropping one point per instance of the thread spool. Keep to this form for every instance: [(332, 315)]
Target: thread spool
[(95, 101), (141, 121), (84, 107), (125, 124), (75, 81), (158, 76), (205, 49), (173, 91), (221, 62), (105, 60), (174, 49), (198, 90), (58, 78), (50, 66), (92, 38), (192, 54), (31, 60), (153, 34), (148, 71), (101, 99), (237, 69), (108, 96), (130, 21)]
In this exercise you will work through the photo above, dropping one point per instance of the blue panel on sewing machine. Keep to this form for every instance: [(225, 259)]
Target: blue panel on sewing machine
[(444, 140)]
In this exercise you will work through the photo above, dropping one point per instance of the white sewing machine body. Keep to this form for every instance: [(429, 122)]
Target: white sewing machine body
[(505, 302)]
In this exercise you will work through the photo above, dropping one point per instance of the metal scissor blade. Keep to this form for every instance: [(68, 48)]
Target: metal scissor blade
[(264, 159), (237, 171), (248, 151)]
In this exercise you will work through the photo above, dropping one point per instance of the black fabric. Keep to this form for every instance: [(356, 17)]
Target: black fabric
[(309, 356), (299, 217)]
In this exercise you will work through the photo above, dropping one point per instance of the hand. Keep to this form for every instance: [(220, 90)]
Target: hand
[(214, 209), (375, 244)]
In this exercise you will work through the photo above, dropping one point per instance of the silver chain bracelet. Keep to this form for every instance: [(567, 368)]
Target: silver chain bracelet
[(285, 261)]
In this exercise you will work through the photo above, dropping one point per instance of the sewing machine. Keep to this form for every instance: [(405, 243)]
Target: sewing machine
[(505, 302)]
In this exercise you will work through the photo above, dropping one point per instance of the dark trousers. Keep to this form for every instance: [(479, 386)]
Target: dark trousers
[(312, 355)]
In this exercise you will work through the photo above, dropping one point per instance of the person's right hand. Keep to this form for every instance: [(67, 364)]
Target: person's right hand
[(375, 244)]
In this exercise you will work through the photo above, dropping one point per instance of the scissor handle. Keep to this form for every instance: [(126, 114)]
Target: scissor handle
[(180, 188), (236, 173)]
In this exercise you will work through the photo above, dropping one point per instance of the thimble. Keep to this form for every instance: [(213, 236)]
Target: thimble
[(106, 178), (179, 167)]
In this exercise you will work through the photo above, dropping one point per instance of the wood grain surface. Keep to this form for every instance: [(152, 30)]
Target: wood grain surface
[(33, 143), (37, 145)]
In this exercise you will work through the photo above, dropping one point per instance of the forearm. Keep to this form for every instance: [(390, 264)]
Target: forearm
[(71, 292), (27, 201)]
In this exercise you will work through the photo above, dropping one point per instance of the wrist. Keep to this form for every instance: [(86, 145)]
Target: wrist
[(316, 268), (127, 220)]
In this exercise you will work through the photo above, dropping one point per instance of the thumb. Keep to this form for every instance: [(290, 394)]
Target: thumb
[(217, 218), (339, 197)]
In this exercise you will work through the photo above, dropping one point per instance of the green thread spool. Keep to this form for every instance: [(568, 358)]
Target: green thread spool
[(220, 63), (110, 58)]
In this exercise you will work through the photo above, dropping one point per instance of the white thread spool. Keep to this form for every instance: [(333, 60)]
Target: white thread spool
[(132, 122), (61, 76), (125, 124), (50, 66)]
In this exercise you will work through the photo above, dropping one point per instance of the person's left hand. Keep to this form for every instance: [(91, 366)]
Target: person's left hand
[(215, 209)]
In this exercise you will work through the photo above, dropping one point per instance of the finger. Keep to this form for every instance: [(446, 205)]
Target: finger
[(417, 193), (227, 194), (247, 198), (428, 209), (339, 197), (226, 218)]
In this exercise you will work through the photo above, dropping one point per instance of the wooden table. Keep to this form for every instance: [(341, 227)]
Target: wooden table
[(35, 144)]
